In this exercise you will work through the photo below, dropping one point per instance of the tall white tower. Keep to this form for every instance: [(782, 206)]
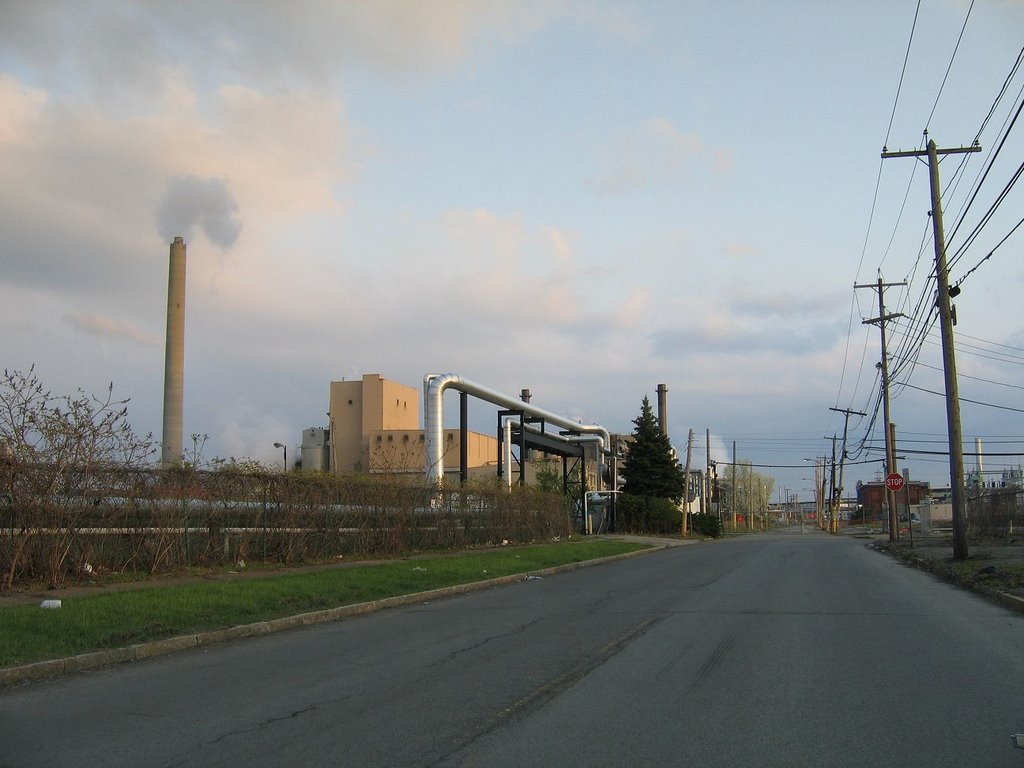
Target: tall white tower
[(174, 362)]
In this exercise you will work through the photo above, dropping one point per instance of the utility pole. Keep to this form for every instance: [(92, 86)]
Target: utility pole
[(896, 469), (890, 497), (824, 485), (750, 498), (842, 461), (946, 322), (686, 480), (832, 481), (705, 495), (819, 499), (734, 486)]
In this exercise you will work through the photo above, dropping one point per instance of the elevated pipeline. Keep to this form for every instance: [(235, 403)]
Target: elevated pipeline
[(434, 386)]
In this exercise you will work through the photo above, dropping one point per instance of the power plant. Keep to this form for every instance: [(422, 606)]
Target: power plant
[(174, 362)]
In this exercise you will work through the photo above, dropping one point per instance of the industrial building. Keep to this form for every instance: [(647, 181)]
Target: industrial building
[(872, 497), (375, 427)]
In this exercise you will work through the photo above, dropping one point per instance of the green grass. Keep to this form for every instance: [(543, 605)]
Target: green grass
[(116, 619)]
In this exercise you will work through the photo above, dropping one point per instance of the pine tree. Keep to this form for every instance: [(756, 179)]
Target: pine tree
[(650, 468)]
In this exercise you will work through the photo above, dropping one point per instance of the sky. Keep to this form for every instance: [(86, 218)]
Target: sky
[(586, 199)]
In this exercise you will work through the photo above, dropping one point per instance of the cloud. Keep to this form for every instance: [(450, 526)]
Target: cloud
[(264, 44), (19, 110), (780, 303), (656, 153), (759, 324), (191, 202), (100, 325)]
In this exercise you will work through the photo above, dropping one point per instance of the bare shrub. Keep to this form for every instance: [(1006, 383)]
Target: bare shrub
[(995, 513), (78, 495), (58, 456)]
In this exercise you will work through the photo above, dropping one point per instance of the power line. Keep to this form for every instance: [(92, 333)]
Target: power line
[(1002, 92), (988, 256), (964, 399), (977, 190), (1003, 357), (903, 72), (949, 67), (973, 378)]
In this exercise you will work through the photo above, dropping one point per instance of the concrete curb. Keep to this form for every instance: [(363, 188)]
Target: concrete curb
[(42, 670), (1012, 602)]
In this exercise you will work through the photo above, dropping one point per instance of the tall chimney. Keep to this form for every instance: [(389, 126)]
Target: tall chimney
[(663, 408), (981, 462), (174, 362)]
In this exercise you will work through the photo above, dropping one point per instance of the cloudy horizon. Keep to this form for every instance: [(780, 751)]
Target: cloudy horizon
[(583, 199)]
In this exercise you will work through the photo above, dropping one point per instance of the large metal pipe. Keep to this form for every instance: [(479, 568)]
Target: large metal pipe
[(174, 362), (434, 386)]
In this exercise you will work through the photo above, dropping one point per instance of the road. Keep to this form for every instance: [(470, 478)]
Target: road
[(767, 650)]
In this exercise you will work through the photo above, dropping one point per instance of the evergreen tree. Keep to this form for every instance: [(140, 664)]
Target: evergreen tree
[(650, 468)]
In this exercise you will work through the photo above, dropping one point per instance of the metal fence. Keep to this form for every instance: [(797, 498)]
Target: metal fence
[(55, 529)]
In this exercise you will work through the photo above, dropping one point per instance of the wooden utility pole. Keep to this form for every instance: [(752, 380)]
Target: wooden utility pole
[(734, 486), (890, 497), (686, 480), (750, 498), (824, 488), (895, 469), (705, 491), (838, 496), (832, 480), (946, 322)]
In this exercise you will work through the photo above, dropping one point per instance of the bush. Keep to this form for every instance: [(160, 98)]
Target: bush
[(79, 496), (707, 524), (647, 514), (157, 521)]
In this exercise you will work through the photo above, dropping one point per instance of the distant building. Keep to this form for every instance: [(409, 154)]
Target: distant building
[(316, 443), (872, 497), (375, 427)]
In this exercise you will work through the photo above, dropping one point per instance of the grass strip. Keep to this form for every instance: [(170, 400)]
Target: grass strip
[(117, 619)]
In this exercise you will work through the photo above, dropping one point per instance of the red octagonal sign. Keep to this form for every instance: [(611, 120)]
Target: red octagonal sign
[(894, 481)]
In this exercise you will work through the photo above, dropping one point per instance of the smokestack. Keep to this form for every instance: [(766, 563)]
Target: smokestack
[(981, 463), (174, 362), (663, 408)]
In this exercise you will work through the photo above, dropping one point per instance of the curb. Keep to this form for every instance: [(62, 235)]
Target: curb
[(42, 670), (1005, 599)]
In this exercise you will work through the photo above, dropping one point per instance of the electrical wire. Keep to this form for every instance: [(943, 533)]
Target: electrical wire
[(974, 378), (977, 190), (874, 201), (903, 73), (987, 256), (999, 96), (988, 215), (949, 66), (964, 399)]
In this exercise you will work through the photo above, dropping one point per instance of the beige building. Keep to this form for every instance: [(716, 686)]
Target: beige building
[(375, 427)]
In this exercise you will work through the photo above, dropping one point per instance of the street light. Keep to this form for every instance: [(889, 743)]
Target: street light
[(285, 448)]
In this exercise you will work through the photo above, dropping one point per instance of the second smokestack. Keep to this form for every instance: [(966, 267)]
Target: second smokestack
[(663, 408)]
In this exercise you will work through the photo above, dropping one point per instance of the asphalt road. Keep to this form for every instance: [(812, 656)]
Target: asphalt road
[(761, 651)]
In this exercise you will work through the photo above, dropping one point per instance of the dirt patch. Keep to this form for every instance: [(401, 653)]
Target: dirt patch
[(994, 568)]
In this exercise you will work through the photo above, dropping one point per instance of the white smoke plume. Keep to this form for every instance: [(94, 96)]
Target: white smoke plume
[(191, 202)]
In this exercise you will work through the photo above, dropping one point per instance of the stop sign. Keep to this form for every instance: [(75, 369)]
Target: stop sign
[(894, 481)]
